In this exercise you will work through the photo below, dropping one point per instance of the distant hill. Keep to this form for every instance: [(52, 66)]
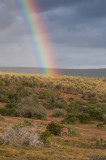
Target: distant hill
[(68, 72)]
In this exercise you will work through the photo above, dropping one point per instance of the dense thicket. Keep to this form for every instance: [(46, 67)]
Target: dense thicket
[(31, 95)]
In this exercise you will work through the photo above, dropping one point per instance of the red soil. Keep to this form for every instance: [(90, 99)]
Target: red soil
[(2, 105)]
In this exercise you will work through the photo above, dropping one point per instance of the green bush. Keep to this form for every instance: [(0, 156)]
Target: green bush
[(71, 98), (45, 137), (11, 105), (84, 117), (54, 128), (73, 132), (12, 96), (59, 104), (7, 111), (76, 106), (23, 92), (25, 110), (20, 124), (39, 113), (4, 99), (45, 95), (59, 113), (96, 111), (104, 99), (1, 118), (104, 118), (71, 119), (31, 101), (93, 139), (100, 125)]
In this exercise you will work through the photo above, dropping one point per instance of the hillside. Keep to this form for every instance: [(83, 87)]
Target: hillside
[(75, 103)]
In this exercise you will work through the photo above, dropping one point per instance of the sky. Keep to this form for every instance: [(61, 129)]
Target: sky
[(76, 30)]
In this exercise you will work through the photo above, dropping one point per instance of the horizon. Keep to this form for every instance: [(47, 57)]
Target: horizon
[(100, 72), (54, 67)]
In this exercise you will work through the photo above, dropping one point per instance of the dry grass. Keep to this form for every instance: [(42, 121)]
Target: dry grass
[(24, 153), (62, 148)]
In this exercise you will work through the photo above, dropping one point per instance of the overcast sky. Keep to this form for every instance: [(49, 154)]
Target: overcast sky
[(77, 29)]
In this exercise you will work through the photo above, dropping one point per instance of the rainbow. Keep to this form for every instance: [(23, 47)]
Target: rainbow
[(38, 35)]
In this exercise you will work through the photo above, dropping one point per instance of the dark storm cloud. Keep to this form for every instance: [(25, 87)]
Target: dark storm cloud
[(92, 9), (46, 5), (80, 24), (77, 29)]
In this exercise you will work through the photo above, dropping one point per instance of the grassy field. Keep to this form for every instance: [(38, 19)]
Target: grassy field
[(76, 103)]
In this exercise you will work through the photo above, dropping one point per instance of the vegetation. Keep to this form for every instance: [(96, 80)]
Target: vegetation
[(54, 128), (73, 132), (2, 118), (20, 135), (22, 94), (47, 104), (100, 125), (45, 137), (59, 113)]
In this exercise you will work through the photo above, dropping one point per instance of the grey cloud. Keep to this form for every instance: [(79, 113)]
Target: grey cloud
[(14, 33), (69, 26), (12, 5), (6, 18), (92, 9), (78, 57), (13, 55), (47, 5), (77, 29)]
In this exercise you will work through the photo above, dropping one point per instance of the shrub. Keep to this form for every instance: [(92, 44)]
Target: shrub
[(59, 113), (104, 118), (59, 104), (84, 117), (20, 124), (73, 132), (27, 111), (104, 99), (54, 128), (63, 147), (45, 137), (31, 101), (24, 110), (39, 113), (71, 98), (100, 125), (71, 119), (95, 112), (92, 97), (76, 106), (7, 111), (93, 139), (45, 95), (23, 92), (4, 99), (11, 105), (100, 143), (12, 96), (20, 137), (1, 118)]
